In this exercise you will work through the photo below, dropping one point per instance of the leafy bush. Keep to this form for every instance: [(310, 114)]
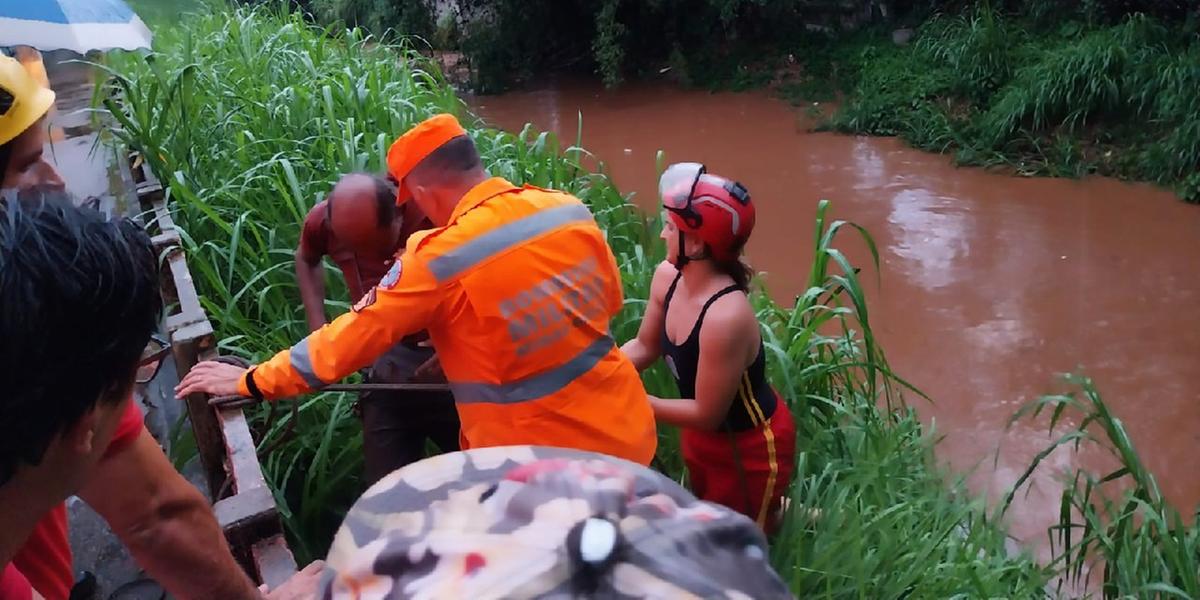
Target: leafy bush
[(977, 46), (406, 17)]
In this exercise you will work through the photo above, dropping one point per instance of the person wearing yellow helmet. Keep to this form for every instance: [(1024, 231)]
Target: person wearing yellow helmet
[(24, 105)]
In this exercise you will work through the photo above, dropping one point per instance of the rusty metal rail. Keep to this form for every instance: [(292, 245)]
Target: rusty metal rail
[(242, 501)]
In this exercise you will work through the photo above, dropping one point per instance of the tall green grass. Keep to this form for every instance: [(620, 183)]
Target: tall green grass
[(249, 116), (1117, 533)]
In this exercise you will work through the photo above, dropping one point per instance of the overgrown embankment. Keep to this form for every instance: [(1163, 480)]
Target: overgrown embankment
[(249, 116), (1061, 99)]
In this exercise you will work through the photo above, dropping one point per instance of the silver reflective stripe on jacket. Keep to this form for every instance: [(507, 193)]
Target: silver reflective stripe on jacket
[(505, 237), (536, 386)]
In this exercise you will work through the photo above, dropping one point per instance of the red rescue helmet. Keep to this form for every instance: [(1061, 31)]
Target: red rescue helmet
[(711, 207)]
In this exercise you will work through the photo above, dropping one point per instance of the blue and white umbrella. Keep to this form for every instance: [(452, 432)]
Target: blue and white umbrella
[(77, 25)]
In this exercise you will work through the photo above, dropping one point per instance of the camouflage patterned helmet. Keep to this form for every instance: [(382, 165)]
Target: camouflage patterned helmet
[(539, 522)]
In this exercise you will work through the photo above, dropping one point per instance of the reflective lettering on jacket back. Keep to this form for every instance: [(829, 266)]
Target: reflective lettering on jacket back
[(541, 286)]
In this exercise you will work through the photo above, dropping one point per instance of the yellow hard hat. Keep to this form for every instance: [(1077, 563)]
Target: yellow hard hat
[(22, 100)]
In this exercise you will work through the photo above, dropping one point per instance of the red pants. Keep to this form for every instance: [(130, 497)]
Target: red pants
[(748, 471)]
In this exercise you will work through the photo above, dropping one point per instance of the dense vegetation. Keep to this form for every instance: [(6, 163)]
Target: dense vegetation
[(511, 40), (249, 116), (1064, 100), (1044, 87)]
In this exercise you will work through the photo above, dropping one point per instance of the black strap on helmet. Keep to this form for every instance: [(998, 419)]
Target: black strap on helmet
[(738, 192)]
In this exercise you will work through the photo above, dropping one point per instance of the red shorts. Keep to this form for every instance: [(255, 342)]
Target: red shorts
[(748, 471)]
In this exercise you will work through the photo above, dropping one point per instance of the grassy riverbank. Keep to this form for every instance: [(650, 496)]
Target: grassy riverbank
[(1061, 99), (250, 115)]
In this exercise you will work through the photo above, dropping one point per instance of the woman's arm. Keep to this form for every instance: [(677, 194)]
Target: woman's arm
[(644, 349), (724, 345)]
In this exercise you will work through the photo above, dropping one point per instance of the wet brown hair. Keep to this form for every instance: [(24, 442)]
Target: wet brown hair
[(737, 269)]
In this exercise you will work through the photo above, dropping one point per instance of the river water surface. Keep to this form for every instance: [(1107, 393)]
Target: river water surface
[(991, 284)]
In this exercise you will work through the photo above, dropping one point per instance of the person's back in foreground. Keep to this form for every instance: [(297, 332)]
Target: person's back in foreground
[(516, 286), (533, 522), (79, 302)]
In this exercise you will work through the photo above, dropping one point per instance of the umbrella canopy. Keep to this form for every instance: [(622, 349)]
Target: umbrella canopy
[(77, 25)]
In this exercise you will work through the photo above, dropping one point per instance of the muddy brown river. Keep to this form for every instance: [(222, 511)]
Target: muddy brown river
[(991, 284)]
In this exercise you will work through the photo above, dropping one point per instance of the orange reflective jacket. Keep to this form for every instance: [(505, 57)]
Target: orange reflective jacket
[(517, 292)]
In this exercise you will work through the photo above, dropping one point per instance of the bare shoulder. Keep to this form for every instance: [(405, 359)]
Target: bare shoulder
[(664, 274), (730, 322)]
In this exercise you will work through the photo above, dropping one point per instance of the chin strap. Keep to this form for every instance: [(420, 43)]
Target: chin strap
[(681, 258)]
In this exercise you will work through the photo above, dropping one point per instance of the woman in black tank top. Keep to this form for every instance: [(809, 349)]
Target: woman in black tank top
[(738, 438)]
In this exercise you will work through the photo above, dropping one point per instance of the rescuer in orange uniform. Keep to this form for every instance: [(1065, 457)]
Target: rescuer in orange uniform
[(516, 287)]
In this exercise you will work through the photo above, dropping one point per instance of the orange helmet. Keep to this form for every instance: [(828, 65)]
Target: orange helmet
[(715, 209)]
